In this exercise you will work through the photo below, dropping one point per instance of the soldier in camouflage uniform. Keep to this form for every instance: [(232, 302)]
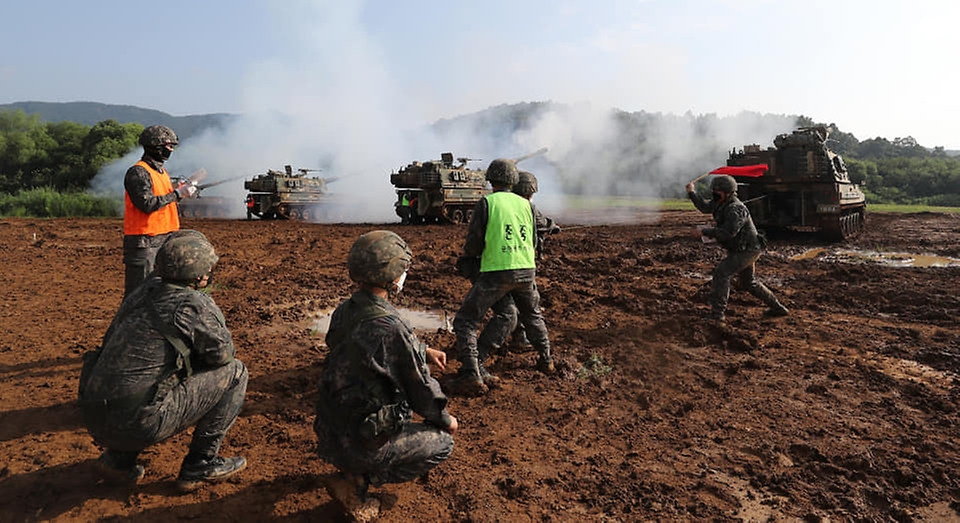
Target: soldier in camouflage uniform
[(504, 320), (735, 232), (150, 210), (374, 378), (166, 363), (501, 238)]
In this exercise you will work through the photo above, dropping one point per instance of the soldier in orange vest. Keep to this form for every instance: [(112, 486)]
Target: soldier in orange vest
[(150, 205)]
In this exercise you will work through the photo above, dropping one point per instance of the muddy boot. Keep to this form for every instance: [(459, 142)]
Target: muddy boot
[(545, 363), (491, 381), (776, 310), (350, 490), (468, 381), (716, 316), (120, 468), (196, 470)]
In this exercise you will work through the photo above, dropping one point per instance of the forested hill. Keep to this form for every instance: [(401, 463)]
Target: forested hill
[(90, 113)]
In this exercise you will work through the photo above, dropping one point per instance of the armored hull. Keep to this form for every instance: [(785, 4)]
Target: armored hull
[(288, 195), (806, 186), (438, 191)]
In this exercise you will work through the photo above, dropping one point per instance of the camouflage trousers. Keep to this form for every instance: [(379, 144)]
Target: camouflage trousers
[(741, 265), (210, 400), (489, 291), (139, 257), (417, 449)]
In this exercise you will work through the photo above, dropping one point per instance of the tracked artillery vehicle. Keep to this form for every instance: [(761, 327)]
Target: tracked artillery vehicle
[(441, 191), (805, 187), (288, 195)]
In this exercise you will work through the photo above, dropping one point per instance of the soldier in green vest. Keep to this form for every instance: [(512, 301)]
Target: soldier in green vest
[(502, 237)]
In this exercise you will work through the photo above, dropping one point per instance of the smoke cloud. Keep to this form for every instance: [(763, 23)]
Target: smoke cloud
[(328, 102)]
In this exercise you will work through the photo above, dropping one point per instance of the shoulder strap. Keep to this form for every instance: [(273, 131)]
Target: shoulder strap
[(183, 352)]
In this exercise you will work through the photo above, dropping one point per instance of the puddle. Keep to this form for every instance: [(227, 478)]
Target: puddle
[(429, 320), (890, 259)]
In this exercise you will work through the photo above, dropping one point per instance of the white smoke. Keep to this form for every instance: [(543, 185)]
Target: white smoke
[(328, 102)]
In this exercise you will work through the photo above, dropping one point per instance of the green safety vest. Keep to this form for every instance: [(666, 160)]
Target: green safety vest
[(404, 202), (510, 234)]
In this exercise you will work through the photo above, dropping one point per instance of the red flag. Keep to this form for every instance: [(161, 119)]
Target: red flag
[(750, 171)]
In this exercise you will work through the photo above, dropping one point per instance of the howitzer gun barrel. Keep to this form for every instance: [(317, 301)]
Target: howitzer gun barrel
[(531, 155), (218, 182)]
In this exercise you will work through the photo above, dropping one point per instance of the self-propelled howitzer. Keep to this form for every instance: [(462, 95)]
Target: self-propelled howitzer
[(806, 185), (288, 194), (441, 191)]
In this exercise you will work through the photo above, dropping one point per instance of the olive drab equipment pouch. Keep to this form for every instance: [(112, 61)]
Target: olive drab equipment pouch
[(386, 422)]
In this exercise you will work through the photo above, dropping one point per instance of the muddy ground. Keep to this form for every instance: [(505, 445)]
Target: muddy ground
[(847, 410)]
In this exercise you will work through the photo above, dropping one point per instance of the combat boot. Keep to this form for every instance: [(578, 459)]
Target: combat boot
[(120, 468), (776, 311), (491, 381), (545, 362), (468, 383), (194, 471), (519, 342), (350, 490)]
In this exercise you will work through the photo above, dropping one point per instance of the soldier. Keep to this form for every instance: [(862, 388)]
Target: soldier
[(504, 320), (736, 232), (150, 209), (501, 239), (374, 378), (166, 363)]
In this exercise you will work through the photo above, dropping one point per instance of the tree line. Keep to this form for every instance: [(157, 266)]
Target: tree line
[(64, 156)]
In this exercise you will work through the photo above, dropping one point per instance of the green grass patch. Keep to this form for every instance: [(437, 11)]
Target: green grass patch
[(48, 203), (896, 207), (594, 367)]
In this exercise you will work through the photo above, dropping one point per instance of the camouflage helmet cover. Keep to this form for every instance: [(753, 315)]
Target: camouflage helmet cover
[(378, 258), (527, 185), (157, 135), (186, 256), (724, 183), (503, 172)]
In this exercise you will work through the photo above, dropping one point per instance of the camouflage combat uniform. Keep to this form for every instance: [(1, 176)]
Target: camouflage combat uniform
[(374, 378), (138, 392), (140, 250), (488, 291), (505, 312), (736, 233)]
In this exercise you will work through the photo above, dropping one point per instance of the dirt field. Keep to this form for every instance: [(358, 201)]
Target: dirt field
[(847, 410)]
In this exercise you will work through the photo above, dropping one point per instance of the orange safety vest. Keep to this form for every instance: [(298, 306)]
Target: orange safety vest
[(161, 221)]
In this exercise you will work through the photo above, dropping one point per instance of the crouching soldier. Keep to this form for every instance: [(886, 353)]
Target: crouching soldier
[(736, 232), (374, 378), (166, 364)]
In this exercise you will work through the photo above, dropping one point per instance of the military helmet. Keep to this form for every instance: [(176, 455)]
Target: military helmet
[(527, 185), (157, 135), (503, 172), (186, 256), (724, 183), (378, 257)]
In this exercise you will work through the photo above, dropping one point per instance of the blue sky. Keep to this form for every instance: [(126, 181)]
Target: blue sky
[(876, 68)]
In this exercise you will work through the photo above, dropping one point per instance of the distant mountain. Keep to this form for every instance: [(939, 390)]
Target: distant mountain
[(90, 113)]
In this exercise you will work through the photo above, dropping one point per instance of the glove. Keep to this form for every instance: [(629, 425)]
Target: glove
[(555, 229), (186, 190)]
